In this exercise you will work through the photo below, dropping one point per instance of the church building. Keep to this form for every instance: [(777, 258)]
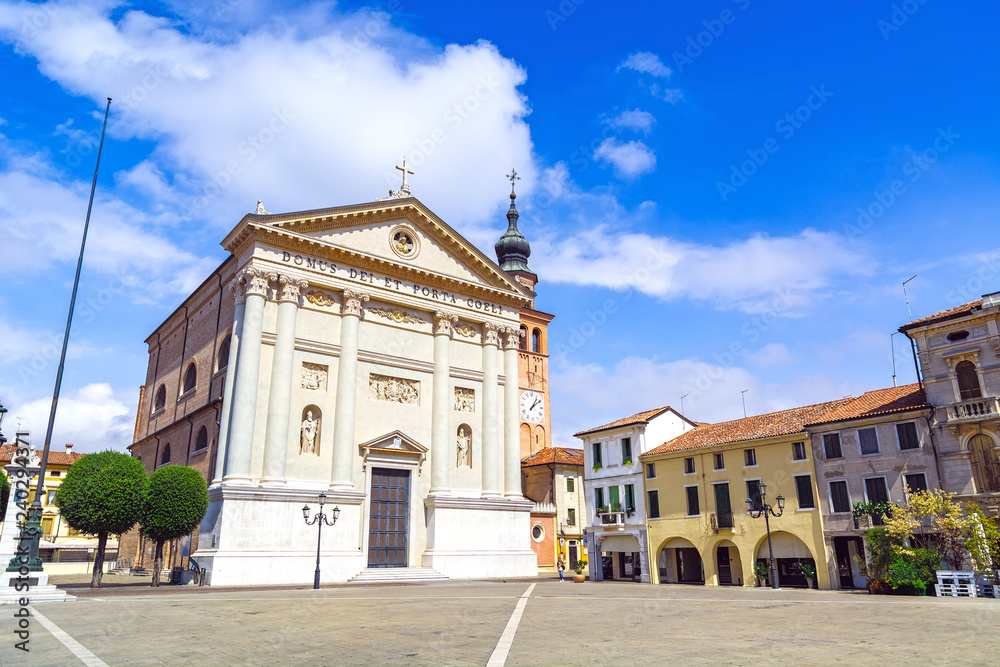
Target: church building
[(369, 353)]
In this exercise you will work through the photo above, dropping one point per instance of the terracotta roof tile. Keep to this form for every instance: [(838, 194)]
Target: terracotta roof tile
[(55, 458), (638, 418), (564, 455), (757, 427), (951, 313), (878, 402)]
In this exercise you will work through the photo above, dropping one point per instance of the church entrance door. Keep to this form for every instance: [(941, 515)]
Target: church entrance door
[(389, 518)]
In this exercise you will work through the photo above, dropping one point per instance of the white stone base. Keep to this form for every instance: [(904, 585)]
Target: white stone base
[(39, 590), (472, 538), (254, 536)]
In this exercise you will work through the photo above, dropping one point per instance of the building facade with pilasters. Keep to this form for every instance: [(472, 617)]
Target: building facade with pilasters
[(373, 356)]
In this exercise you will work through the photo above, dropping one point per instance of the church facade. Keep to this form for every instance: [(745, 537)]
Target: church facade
[(369, 353)]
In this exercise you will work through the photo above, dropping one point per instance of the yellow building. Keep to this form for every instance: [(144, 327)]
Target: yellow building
[(696, 485), (63, 550)]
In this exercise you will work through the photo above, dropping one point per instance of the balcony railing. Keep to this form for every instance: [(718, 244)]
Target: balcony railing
[(613, 518), (972, 410), (723, 519)]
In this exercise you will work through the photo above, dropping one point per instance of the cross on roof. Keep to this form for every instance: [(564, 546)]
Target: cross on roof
[(512, 176), (406, 188)]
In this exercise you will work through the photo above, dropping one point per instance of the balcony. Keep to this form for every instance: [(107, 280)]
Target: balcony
[(721, 520), (612, 517), (973, 410)]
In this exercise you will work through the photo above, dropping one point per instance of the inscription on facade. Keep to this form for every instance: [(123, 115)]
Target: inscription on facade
[(393, 390), (370, 278)]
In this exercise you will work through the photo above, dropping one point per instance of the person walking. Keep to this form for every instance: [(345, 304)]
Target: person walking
[(562, 567)]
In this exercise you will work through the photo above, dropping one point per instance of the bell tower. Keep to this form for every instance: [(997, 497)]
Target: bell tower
[(513, 251)]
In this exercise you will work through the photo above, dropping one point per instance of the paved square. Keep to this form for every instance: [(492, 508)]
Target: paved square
[(461, 623)]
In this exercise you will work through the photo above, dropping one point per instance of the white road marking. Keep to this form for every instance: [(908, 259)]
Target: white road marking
[(499, 656), (75, 647)]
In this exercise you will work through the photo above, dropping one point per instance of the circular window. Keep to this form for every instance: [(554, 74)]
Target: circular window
[(537, 532), (404, 242)]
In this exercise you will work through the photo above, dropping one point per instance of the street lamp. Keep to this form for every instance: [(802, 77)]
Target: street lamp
[(320, 519), (755, 509), (3, 413)]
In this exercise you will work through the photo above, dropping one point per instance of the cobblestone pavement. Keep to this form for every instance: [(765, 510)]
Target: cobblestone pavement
[(461, 623)]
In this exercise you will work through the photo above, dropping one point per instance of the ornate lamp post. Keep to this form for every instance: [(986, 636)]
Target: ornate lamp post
[(3, 412), (755, 509), (320, 519)]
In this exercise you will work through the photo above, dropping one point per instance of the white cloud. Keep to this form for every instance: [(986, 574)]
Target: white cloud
[(44, 214), (92, 418), (772, 354), (309, 109), (635, 120), (630, 159), (646, 63)]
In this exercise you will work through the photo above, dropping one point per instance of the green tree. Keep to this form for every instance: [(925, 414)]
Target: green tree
[(176, 501), (4, 494), (934, 512), (102, 495)]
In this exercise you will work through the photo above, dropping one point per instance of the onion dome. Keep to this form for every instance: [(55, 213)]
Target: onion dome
[(512, 248)]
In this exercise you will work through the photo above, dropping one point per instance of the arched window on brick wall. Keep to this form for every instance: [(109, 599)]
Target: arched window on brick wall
[(201, 442), (161, 398), (165, 455), (190, 377)]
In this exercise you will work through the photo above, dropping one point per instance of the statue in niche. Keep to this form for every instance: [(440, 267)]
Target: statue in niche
[(464, 446), (310, 429)]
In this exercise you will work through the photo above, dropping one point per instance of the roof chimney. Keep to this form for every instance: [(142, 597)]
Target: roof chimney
[(69, 447)]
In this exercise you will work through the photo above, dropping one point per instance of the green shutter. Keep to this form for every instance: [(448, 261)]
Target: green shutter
[(803, 485), (613, 497)]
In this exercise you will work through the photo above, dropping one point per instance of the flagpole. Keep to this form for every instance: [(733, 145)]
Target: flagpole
[(33, 524)]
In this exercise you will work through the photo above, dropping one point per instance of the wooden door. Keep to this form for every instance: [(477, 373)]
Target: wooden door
[(388, 522)]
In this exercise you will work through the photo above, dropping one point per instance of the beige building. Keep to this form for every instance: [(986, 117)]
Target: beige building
[(959, 351), (871, 449), (368, 352), (553, 480)]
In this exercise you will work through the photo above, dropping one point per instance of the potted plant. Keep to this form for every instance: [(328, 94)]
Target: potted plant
[(579, 577), (603, 509), (597, 466), (809, 572), (627, 463), (760, 571)]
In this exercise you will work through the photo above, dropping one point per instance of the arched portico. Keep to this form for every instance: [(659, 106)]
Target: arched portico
[(790, 553), (678, 561), (727, 564)]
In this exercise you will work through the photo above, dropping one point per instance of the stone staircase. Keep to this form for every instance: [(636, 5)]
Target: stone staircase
[(397, 575)]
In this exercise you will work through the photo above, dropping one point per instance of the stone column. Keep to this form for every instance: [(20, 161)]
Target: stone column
[(280, 395), (244, 410), (441, 404), (511, 419), (342, 475), (491, 413), (239, 293)]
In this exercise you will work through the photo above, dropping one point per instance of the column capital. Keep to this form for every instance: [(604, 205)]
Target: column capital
[(254, 281), (351, 304), (238, 289), (512, 337), (443, 322), (290, 287), (491, 334)]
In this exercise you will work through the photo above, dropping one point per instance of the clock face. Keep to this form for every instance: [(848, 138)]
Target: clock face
[(532, 407)]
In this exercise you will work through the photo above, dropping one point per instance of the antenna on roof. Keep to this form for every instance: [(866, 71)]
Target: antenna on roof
[(892, 353), (743, 395), (906, 297), (682, 402)]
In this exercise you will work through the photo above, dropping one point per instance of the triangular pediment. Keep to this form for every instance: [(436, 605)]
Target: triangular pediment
[(400, 232), (395, 442)]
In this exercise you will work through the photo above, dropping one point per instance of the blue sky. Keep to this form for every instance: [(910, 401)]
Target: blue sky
[(720, 195)]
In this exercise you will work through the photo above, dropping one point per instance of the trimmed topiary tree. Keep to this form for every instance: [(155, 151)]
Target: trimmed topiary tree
[(176, 501), (102, 494), (4, 494)]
